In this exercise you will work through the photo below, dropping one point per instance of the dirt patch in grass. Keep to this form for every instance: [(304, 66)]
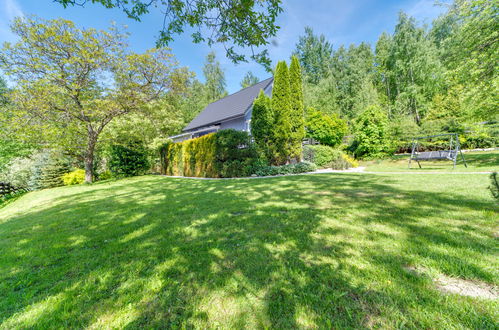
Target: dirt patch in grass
[(468, 288)]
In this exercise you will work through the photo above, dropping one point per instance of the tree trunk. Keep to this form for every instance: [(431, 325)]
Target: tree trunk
[(89, 156)]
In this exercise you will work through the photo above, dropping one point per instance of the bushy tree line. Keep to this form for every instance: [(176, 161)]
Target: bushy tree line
[(426, 80), (277, 122)]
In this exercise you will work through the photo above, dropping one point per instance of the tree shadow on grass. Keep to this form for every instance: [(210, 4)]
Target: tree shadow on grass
[(291, 252)]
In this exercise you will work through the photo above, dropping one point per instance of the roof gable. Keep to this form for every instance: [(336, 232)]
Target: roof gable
[(231, 106)]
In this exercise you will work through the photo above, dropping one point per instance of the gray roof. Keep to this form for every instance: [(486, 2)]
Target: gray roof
[(234, 105)]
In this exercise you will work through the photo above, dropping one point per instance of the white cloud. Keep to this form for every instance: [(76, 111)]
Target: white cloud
[(9, 9)]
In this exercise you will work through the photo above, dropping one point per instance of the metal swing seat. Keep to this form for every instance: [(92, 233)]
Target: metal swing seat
[(449, 154)]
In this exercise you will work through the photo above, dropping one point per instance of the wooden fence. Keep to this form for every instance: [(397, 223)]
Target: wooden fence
[(7, 188)]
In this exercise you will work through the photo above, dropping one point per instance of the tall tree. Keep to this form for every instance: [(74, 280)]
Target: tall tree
[(262, 121), (281, 105), (472, 50), (74, 82), (249, 80), (296, 108), (215, 79), (314, 53), (416, 71)]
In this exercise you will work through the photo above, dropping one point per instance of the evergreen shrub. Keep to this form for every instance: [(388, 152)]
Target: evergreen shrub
[(125, 161)]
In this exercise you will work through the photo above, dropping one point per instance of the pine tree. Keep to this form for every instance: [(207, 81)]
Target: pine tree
[(51, 173), (297, 110), (281, 130), (261, 124)]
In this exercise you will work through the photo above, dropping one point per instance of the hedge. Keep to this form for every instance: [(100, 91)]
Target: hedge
[(227, 153)]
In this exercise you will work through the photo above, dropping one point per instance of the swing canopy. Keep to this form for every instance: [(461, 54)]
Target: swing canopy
[(449, 153)]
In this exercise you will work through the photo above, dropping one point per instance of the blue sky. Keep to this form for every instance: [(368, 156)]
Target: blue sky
[(342, 21)]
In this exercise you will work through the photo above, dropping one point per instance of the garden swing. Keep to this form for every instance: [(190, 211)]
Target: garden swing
[(449, 154)]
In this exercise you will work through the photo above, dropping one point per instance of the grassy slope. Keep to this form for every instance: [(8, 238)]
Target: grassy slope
[(302, 251), (476, 161)]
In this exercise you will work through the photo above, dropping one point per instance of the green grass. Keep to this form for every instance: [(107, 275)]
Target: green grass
[(485, 161), (324, 251)]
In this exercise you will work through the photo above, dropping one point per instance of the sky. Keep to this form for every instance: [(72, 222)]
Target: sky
[(343, 22)]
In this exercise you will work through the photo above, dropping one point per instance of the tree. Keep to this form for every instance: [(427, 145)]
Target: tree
[(249, 80), (262, 121), (416, 72), (215, 79), (281, 104), (71, 83), (327, 129), (296, 109), (314, 53), (232, 23), (3, 92), (371, 133), (471, 50)]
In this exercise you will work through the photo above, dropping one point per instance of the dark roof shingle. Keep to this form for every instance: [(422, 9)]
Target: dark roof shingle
[(231, 106)]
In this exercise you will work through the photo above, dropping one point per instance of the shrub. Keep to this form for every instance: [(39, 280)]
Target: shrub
[(127, 161), (371, 134), (328, 130), (234, 153), (74, 177), (105, 175), (327, 157), (297, 168)]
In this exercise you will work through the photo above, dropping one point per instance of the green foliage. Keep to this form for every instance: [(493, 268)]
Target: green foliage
[(215, 79), (61, 91), (249, 80), (74, 177), (3, 92), (327, 129), (243, 24), (327, 157), (227, 153), (125, 161), (53, 170), (296, 109), (262, 121), (494, 185), (314, 53), (302, 167), (281, 108), (234, 153), (371, 134)]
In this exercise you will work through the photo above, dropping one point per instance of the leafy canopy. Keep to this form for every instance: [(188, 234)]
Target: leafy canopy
[(235, 24)]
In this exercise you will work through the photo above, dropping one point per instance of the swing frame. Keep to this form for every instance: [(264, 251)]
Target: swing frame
[(450, 154)]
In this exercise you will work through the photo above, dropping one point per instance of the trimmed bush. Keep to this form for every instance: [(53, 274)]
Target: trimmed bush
[(127, 161), (303, 167), (227, 153), (74, 177)]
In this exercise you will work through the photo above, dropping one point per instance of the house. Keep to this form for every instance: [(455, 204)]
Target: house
[(233, 111)]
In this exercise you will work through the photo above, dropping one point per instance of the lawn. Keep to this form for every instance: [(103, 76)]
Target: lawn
[(310, 251), (477, 162)]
